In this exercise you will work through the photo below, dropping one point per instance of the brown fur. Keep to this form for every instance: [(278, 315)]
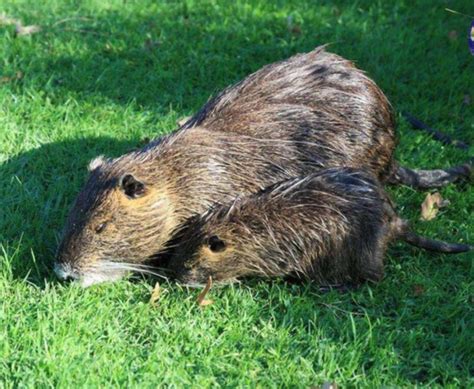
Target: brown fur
[(288, 119), (331, 227)]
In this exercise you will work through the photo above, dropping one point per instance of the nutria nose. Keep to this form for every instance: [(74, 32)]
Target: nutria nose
[(67, 278), (64, 272)]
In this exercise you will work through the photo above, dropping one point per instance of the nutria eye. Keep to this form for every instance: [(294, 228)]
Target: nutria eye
[(131, 186), (215, 244), (100, 227)]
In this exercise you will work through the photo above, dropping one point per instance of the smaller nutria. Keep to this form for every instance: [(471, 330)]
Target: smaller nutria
[(332, 227)]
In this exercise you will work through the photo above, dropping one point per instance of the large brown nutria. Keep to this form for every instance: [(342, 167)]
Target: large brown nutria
[(288, 119), (331, 227)]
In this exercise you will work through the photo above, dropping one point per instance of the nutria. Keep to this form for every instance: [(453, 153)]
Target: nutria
[(288, 119), (331, 227)]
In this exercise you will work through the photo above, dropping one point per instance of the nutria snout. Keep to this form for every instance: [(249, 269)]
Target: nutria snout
[(331, 227)]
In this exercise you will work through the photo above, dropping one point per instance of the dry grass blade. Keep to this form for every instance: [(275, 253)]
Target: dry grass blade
[(18, 76), (20, 29), (181, 122), (155, 294), (431, 205), (329, 385), (201, 300), (72, 19), (26, 30), (6, 20)]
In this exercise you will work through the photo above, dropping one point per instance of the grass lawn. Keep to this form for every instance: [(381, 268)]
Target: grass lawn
[(102, 77)]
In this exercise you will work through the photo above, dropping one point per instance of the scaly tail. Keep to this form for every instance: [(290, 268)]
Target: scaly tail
[(400, 229), (437, 135), (435, 245), (426, 179)]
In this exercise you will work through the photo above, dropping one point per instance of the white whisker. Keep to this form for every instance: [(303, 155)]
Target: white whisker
[(129, 267)]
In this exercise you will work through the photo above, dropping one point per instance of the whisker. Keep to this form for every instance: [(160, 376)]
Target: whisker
[(194, 285), (139, 268), (135, 265)]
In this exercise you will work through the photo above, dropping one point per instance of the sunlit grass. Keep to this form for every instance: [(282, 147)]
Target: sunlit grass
[(102, 77)]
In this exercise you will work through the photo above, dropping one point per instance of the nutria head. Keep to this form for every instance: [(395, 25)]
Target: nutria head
[(226, 243), (118, 220), (203, 252)]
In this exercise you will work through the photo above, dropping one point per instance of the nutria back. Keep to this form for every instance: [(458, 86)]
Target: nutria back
[(331, 227), (316, 97), (289, 119)]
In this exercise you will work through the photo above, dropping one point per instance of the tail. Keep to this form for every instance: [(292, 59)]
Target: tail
[(426, 179), (400, 229), (435, 245), (437, 135)]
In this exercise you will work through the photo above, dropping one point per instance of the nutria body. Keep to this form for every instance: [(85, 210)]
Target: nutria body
[(331, 227), (288, 119)]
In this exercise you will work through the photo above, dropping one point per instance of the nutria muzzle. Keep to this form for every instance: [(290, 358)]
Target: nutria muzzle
[(64, 272)]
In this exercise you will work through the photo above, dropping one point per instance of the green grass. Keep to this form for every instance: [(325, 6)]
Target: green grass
[(91, 86)]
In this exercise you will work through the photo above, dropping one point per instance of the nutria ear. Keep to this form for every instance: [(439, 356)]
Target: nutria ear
[(131, 186), (96, 162), (216, 244)]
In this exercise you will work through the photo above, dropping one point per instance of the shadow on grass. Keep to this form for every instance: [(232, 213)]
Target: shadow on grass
[(37, 190), (180, 61), (177, 57)]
